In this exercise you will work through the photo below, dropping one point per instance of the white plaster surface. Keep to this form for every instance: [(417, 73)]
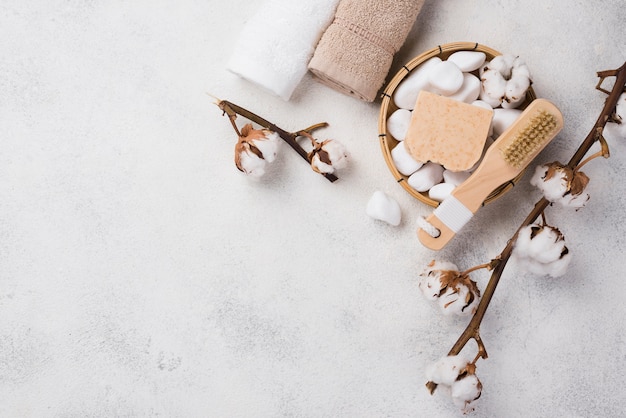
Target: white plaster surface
[(142, 275)]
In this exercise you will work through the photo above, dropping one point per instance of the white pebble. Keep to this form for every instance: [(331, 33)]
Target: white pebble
[(482, 104), (455, 177), (406, 93), (503, 118), (426, 177), (440, 191), (468, 60), (470, 89), (384, 208), (445, 78), (403, 161), (398, 123)]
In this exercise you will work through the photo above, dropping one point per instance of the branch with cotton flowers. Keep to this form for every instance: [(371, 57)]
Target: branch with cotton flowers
[(256, 148), (539, 246)]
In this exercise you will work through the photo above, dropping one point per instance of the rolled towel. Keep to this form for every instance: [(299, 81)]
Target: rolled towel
[(277, 43), (356, 51)]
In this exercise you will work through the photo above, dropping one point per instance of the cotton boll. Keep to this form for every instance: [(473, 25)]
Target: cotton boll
[(468, 61), (520, 69), (541, 250), (249, 163), (430, 279), (445, 78), (470, 89), (515, 91), (455, 177), (384, 208), (574, 201), (502, 64), (552, 188), (403, 161), (254, 149), (440, 191), (547, 244), (430, 286), (426, 177), (407, 91), (336, 152), (268, 146), (559, 267), (328, 156), (503, 118), (458, 300), (505, 81), (493, 88), (562, 184), (398, 123), (555, 269), (465, 391), (446, 370)]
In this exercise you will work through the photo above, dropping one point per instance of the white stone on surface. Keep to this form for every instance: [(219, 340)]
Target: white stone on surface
[(440, 191), (398, 123), (468, 61), (405, 95), (426, 177), (445, 78), (503, 118), (403, 161), (469, 91), (384, 208)]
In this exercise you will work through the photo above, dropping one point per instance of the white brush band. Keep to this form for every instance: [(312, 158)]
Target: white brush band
[(453, 213)]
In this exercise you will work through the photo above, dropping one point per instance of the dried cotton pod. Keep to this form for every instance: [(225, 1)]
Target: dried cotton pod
[(457, 376), (254, 149), (455, 292), (505, 81), (562, 184), (465, 391), (328, 156), (541, 250)]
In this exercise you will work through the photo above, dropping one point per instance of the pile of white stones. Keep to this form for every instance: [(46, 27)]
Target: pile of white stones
[(501, 85)]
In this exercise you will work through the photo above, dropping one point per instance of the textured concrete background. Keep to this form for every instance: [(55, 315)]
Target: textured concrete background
[(142, 275)]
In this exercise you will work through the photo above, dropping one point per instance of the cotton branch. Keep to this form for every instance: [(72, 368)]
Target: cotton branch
[(472, 331), (232, 110)]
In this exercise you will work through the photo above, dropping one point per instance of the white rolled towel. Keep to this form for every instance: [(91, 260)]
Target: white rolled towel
[(277, 43)]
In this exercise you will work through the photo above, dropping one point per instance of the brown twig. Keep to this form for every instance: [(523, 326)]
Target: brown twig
[(232, 110), (472, 331)]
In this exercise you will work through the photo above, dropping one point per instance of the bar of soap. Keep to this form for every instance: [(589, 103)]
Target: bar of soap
[(447, 131)]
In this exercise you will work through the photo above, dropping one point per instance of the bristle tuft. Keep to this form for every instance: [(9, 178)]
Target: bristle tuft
[(529, 139)]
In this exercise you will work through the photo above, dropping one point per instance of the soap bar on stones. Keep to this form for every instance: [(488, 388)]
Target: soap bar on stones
[(447, 131)]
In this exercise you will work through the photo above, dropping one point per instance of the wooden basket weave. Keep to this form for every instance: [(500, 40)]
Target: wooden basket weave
[(388, 142)]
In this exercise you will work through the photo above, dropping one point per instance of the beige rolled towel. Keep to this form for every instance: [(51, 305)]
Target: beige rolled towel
[(356, 51)]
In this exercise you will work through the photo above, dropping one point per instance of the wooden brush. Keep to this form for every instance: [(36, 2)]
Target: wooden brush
[(506, 158)]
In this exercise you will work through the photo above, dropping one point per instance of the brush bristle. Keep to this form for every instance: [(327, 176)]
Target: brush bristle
[(539, 130)]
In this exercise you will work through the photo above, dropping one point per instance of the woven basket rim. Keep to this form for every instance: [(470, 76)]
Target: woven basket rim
[(388, 106)]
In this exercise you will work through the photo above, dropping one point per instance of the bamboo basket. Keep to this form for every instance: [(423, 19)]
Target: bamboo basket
[(388, 142)]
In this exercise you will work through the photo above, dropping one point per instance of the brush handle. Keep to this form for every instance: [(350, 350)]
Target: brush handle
[(494, 170)]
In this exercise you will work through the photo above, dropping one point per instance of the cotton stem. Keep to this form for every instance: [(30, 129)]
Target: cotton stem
[(232, 110), (472, 329)]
